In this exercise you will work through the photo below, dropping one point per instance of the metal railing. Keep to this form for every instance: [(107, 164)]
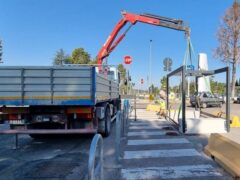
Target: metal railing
[(125, 116), (122, 120), (95, 168), (132, 107), (118, 136)]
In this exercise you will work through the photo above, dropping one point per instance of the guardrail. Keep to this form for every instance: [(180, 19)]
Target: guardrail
[(134, 107), (122, 118), (95, 169), (118, 136), (126, 112)]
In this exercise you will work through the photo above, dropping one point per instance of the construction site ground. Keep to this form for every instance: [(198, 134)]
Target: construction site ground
[(153, 149), (147, 152)]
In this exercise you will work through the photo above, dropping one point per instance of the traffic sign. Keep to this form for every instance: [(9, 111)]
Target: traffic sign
[(127, 59)]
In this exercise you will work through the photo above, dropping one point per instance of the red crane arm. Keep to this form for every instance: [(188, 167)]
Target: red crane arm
[(111, 43)]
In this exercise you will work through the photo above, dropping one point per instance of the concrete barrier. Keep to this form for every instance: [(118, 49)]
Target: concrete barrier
[(235, 121), (226, 152)]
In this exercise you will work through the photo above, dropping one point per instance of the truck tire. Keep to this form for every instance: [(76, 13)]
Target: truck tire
[(107, 122), (37, 136), (204, 105)]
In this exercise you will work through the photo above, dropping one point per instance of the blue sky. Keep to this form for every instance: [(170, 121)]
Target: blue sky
[(32, 31)]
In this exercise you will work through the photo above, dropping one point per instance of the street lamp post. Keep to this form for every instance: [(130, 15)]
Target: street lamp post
[(150, 66)]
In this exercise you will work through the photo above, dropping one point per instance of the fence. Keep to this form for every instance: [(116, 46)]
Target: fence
[(95, 168)]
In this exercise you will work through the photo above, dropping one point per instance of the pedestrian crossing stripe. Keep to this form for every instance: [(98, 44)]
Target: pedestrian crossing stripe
[(149, 123), (172, 172), (160, 153), (158, 141), (146, 133), (146, 127)]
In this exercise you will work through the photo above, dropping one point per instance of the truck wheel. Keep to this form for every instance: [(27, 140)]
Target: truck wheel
[(107, 122), (37, 136), (204, 105)]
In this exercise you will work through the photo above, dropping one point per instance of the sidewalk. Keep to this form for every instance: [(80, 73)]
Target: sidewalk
[(155, 150)]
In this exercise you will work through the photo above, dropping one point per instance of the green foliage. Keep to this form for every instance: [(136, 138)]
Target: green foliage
[(192, 87), (80, 56), (122, 70), (60, 58), (123, 89), (237, 90), (154, 90), (94, 61), (163, 83), (217, 87)]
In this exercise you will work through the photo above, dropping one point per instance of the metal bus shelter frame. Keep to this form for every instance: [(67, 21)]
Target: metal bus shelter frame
[(184, 72)]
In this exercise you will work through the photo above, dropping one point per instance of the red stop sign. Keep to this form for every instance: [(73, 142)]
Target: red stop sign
[(127, 59), (141, 81)]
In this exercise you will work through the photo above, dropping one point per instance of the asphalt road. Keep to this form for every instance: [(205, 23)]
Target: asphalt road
[(63, 157), (234, 109)]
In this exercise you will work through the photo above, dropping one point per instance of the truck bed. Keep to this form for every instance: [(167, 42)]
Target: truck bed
[(54, 85)]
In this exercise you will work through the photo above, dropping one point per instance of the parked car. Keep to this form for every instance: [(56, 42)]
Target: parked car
[(235, 99), (206, 99), (223, 97), (238, 100)]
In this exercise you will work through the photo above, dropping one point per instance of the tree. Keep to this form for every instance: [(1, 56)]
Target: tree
[(122, 70), (80, 56), (154, 90), (228, 36), (163, 83), (217, 87), (1, 53), (93, 61), (192, 87), (60, 58)]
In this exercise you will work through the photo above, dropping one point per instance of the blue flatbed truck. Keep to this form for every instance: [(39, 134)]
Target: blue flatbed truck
[(39, 100)]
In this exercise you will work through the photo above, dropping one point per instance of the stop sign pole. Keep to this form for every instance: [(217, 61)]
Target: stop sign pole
[(127, 61)]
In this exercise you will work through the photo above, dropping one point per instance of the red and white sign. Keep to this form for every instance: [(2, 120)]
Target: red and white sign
[(141, 81), (127, 59)]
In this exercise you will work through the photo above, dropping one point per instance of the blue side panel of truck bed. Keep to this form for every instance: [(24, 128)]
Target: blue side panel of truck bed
[(47, 86)]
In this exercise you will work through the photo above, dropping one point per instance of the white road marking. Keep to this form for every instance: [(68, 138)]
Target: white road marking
[(158, 141), (172, 172), (147, 133), (160, 153), (146, 127), (149, 123)]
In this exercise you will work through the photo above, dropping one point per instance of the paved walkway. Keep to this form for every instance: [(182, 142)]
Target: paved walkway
[(155, 150)]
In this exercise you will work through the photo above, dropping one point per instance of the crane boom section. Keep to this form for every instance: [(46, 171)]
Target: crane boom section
[(111, 42)]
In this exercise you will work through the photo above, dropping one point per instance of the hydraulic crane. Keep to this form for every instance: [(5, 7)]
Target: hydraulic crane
[(151, 19)]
